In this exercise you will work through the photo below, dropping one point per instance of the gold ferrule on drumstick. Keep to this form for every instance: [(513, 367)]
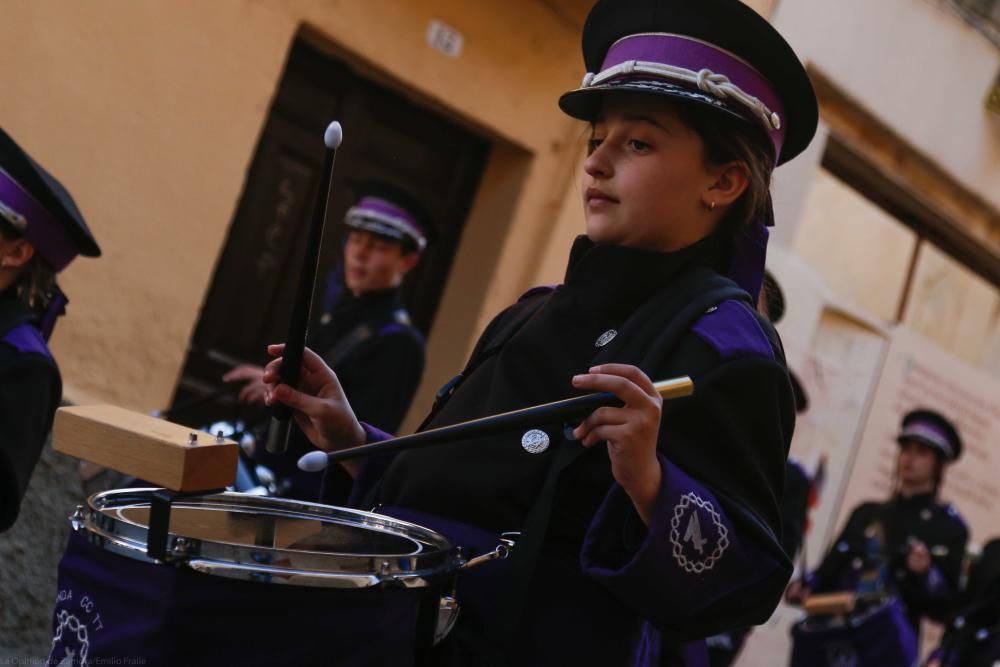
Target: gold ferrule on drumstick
[(674, 387)]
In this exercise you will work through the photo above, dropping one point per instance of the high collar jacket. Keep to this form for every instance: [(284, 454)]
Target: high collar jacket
[(606, 588)]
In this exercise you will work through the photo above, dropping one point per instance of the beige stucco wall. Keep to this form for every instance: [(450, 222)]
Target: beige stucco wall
[(150, 111), (917, 67)]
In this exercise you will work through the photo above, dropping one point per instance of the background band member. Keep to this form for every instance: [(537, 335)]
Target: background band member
[(41, 231), (920, 542), (650, 525), (363, 333), (972, 638)]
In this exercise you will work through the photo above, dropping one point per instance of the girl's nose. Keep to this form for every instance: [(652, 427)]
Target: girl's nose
[(597, 164)]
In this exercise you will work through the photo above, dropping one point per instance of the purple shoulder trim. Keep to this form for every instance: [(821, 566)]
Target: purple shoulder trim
[(539, 289), (391, 328), (26, 339), (733, 330)]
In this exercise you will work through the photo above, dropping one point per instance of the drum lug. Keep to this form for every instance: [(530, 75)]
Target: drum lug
[(182, 547), (447, 615), (78, 518)]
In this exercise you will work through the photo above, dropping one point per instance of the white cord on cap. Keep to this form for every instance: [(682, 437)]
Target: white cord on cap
[(717, 85)]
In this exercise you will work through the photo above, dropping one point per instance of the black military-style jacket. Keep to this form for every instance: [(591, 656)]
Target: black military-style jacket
[(972, 637), (378, 357), (383, 359), (30, 390), (919, 517), (605, 584)]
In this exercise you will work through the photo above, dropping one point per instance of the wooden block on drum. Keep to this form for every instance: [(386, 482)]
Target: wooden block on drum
[(150, 449), (830, 603)]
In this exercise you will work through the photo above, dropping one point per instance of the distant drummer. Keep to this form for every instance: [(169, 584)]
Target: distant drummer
[(916, 541), (41, 231), (363, 332)]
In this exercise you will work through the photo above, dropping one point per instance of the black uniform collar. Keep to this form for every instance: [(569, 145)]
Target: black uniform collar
[(917, 499), (371, 300), (13, 311), (616, 279)]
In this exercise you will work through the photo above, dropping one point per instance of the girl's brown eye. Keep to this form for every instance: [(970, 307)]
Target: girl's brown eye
[(592, 145)]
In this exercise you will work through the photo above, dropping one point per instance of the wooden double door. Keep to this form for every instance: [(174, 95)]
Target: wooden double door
[(386, 137)]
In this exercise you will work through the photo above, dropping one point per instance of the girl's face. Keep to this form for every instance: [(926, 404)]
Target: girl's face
[(645, 182), (917, 463), (372, 263)]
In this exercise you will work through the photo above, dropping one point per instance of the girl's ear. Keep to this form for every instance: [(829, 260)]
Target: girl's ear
[(16, 253), (731, 180), (409, 261)]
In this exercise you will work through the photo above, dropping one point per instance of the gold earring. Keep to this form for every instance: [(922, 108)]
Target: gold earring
[(711, 206)]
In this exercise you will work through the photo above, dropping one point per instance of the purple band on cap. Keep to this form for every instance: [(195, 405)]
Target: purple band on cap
[(680, 51), (384, 209), (43, 230), (929, 432)]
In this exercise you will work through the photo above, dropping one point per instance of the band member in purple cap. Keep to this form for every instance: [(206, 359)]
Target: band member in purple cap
[(41, 231), (363, 332), (650, 526), (910, 547)]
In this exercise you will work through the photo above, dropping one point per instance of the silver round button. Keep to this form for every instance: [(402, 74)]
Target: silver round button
[(605, 338), (535, 441)]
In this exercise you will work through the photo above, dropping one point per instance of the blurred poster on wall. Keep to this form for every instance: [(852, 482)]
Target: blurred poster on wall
[(839, 374), (918, 373)]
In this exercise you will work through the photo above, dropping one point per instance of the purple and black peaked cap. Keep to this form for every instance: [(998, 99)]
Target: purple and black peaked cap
[(717, 53), (388, 210), (932, 429), (40, 208)]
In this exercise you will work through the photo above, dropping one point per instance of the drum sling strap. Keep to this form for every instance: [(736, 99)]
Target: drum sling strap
[(689, 299), (344, 347)]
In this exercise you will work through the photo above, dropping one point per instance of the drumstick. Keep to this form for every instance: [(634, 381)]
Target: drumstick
[(281, 415), (567, 409)]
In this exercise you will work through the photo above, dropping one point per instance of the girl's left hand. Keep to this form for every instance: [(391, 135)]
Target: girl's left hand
[(631, 431)]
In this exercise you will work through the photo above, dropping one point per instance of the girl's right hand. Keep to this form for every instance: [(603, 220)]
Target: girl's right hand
[(797, 592), (319, 405)]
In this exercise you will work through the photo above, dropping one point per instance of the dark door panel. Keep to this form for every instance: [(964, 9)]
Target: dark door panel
[(386, 137)]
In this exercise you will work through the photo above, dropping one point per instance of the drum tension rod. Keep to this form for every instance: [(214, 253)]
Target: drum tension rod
[(159, 519)]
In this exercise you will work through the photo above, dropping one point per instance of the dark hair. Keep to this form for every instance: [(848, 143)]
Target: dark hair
[(725, 140), (36, 282)]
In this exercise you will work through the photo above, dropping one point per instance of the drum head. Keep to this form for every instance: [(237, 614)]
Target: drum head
[(275, 540)]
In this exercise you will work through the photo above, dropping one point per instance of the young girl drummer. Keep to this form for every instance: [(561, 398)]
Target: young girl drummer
[(651, 525)]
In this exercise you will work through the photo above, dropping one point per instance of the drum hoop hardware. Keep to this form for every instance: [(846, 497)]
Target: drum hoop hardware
[(158, 534), (434, 559)]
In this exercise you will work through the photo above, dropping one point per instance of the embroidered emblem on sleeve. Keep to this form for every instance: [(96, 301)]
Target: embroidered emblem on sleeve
[(691, 533)]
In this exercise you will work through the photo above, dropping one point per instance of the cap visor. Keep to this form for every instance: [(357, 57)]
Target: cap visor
[(585, 103)]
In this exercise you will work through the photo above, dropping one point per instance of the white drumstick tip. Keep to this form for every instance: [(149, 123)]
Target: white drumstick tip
[(334, 135), (313, 462)]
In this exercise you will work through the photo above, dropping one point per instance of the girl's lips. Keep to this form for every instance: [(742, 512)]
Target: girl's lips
[(595, 197)]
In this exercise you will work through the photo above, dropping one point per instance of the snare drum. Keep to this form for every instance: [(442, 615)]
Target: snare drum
[(249, 581), (879, 636)]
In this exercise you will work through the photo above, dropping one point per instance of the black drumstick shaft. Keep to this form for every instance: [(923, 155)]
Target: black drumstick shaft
[(281, 414), (568, 409)]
